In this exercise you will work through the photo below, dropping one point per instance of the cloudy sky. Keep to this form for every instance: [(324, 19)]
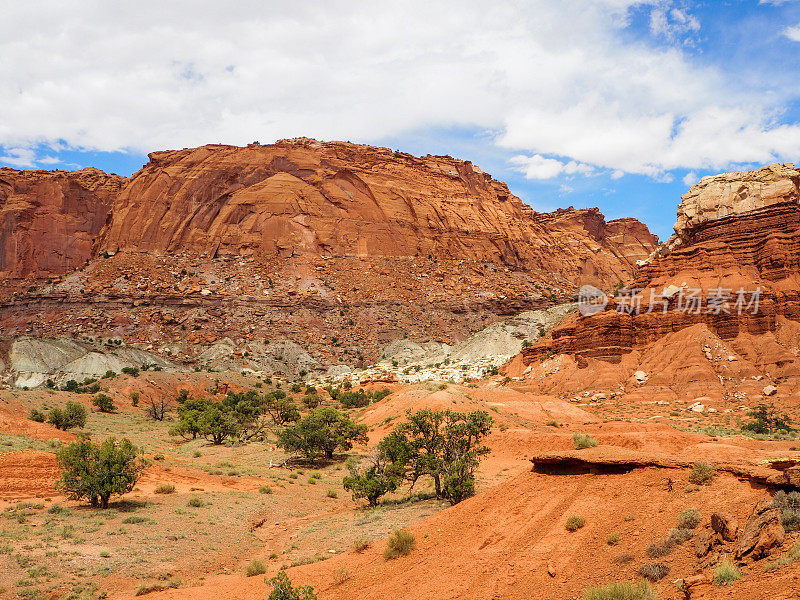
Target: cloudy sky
[(612, 103)]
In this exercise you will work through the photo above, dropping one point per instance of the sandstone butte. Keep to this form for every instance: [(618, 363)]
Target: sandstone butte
[(296, 224), (734, 231)]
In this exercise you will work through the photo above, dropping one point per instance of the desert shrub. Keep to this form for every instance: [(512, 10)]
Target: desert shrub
[(282, 589), (789, 504), (680, 535), (165, 488), (575, 522), (623, 559), (37, 415), (657, 550), (653, 571), (255, 567), (311, 401), (361, 544), (132, 371), (97, 471), (725, 573), (613, 539), (767, 419), (583, 440), (689, 519), (134, 398), (104, 403), (72, 415), (149, 588), (265, 489), (702, 473), (322, 432), (622, 591), (196, 502), (331, 493), (136, 520), (109, 374), (792, 556), (400, 543)]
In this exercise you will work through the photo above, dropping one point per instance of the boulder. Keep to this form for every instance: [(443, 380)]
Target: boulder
[(725, 525), (769, 390), (762, 532), (702, 544)]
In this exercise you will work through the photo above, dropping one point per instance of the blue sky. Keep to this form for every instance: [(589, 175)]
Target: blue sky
[(620, 104)]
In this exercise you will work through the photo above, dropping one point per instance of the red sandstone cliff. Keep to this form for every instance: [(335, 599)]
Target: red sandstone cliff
[(338, 246), (303, 197), (737, 236), (49, 219)]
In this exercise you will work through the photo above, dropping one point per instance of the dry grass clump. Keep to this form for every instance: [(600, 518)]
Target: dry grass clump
[(400, 543), (725, 573), (165, 488), (583, 440), (622, 591), (689, 519), (653, 571), (255, 567)]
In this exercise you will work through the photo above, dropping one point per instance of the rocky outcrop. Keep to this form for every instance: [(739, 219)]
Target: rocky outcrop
[(762, 533), (302, 197), (49, 219), (732, 269)]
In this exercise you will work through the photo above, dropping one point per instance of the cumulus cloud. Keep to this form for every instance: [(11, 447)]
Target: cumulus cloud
[(548, 77), (540, 167), (690, 179)]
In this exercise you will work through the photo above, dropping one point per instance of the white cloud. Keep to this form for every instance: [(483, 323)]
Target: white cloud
[(793, 33), (551, 77), (690, 179), (540, 167), (19, 157)]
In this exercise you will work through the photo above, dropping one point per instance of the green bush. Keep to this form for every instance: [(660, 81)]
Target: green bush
[(680, 535), (612, 539), (575, 522), (95, 472), (265, 489), (400, 543), (689, 519), (132, 371), (583, 440), (282, 589), (104, 403), (702, 473), (196, 502), (37, 415), (725, 573), (622, 591), (72, 415)]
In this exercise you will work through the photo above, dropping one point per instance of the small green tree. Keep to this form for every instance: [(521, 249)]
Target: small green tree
[(445, 445), (321, 432), (282, 409), (282, 589), (217, 423), (189, 414), (104, 403), (376, 475), (768, 419), (72, 415), (95, 472)]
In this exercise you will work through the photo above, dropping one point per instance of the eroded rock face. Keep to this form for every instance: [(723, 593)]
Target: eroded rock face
[(730, 194), (303, 197), (49, 219), (762, 532), (735, 232)]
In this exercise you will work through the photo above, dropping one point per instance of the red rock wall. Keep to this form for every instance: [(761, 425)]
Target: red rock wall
[(303, 197), (49, 219)]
